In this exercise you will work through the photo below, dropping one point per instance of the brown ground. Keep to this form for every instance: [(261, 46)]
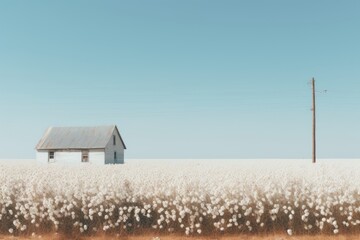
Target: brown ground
[(175, 237)]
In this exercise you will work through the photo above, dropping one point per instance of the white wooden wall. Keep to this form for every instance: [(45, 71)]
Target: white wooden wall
[(67, 157), (110, 149), (71, 157), (42, 157), (97, 157)]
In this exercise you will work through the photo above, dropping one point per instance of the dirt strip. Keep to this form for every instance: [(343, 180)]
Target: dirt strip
[(176, 237)]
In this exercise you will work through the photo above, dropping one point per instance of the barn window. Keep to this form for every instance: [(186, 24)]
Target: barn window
[(115, 156), (114, 140), (85, 156), (51, 156)]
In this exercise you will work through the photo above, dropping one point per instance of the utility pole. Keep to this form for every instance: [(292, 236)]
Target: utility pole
[(314, 122)]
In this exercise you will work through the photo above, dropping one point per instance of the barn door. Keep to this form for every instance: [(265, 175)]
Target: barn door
[(85, 156), (51, 156)]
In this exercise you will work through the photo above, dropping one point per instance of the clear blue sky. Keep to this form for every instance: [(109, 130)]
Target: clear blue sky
[(183, 79)]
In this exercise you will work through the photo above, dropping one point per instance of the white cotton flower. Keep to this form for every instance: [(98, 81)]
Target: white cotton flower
[(289, 232), (226, 197)]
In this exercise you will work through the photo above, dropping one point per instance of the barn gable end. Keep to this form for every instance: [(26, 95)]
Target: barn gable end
[(114, 150)]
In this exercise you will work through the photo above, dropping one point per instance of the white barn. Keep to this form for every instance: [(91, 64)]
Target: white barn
[(98, 145)]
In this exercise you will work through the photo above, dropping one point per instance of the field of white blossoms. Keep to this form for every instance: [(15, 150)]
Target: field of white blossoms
[(190, 197)]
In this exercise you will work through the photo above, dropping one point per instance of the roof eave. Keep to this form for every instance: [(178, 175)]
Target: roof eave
[(92, 148)]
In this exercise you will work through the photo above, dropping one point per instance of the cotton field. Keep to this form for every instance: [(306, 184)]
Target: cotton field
[(190, 197)]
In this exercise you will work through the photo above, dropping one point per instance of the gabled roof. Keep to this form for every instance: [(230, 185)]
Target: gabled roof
[(77, 138)]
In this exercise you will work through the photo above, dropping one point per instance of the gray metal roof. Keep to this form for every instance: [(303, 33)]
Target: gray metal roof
[(77, 137)]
